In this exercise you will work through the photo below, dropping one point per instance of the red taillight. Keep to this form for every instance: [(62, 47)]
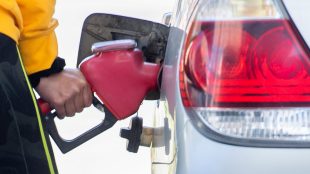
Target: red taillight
[(245, 63), (245, 74)]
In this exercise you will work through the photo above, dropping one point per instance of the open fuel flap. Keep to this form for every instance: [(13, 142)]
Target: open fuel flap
[(151, 37)]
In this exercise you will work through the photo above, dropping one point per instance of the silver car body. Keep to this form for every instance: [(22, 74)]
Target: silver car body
[(190, 152)]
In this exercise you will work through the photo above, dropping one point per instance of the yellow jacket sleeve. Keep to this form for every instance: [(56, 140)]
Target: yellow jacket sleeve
[(31, 25), (10, 19)]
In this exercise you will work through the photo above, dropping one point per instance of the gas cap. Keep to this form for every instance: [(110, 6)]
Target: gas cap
[(133, 134)]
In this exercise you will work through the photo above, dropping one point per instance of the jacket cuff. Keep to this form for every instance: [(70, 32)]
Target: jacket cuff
[(57, 66)]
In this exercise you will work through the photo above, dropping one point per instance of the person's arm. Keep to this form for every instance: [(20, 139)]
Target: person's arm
[(65, 90)]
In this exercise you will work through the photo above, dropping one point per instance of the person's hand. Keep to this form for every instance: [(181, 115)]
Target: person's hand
[(67, 92)]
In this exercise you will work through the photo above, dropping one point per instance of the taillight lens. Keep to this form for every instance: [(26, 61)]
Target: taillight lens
[(247, 76)]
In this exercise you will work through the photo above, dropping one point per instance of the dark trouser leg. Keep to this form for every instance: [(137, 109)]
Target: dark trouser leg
[(24, 146)]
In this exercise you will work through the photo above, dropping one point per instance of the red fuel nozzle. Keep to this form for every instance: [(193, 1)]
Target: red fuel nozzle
[(121, 79)]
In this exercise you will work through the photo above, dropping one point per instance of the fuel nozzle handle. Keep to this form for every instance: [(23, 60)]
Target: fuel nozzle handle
[(68, 145)]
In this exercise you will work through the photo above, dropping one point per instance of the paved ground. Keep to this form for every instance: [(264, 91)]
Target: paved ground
[(105, 153)]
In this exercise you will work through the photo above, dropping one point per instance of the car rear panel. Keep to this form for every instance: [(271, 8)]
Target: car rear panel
[(199, 154)]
